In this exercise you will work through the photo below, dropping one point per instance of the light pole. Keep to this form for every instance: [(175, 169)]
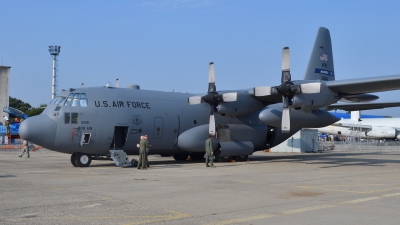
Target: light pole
[(54, 51)]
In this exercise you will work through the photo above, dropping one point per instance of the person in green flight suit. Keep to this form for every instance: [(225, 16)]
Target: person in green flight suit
[(209, 152), (142, 153)]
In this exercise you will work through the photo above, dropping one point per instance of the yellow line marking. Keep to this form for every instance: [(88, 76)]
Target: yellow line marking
[(265, 216), (173, 216)]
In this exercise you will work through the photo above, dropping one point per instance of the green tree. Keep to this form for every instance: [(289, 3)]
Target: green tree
[(25, 107)]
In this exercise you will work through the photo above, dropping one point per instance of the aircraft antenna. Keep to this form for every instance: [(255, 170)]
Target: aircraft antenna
[(54, 51)]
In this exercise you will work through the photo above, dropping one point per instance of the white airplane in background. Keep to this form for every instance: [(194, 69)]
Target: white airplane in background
[(371, 128)]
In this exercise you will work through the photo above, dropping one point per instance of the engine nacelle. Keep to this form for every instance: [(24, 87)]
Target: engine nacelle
[(307, 101), (382, 132), (244, 104), (272, 115), (234, 139)]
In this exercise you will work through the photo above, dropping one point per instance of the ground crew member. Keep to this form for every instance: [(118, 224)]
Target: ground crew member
[(147, 150), (142, 153), (25, 149), (209, 152)]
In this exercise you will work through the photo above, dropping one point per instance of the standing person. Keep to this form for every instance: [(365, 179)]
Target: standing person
[(7, 124), (209, 152), (25, 149), (142, 153), (138, 145), (147, 151)]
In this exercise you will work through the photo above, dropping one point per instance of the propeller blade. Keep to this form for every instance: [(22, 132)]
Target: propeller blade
[(211, 126), (262, 91), (286, 77), (285, 120), (311, 88), (211, 78), (194, 100), (229, 97)]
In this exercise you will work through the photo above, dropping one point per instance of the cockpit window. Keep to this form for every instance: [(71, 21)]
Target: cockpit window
[(53, 100), (75, 101), (83, 100), (60, 100), (69, 99)]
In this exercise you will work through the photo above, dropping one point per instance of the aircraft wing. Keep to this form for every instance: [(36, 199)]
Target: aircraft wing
[(365, 85), (362, 106)]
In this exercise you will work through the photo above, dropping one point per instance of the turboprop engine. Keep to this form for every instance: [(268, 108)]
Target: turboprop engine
[(272, 115), (244, 104)]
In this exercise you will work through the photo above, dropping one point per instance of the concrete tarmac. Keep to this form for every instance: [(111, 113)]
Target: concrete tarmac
[(349, 187)]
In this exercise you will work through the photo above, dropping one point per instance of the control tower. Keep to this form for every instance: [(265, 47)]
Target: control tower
[(4, 97), (54, 51)]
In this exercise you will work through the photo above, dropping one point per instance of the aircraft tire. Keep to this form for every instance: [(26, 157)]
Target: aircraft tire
[(134, 162), (241, 158), (73, 159), (82, 159), (225, 158), (180, 157), (197, 156)]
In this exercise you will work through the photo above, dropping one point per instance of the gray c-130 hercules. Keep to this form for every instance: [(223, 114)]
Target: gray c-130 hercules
[(89, 122)]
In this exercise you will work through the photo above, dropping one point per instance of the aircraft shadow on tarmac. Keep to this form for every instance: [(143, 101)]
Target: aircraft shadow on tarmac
[(329, 160), (334, 160)]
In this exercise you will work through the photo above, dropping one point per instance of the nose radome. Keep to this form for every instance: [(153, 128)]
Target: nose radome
[(40, 130)]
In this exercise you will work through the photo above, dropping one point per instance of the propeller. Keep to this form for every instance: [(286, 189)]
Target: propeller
[(287, 89), (213, 98)]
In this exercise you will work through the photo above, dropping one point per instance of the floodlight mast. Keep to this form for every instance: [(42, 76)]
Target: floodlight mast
[(54, 51)]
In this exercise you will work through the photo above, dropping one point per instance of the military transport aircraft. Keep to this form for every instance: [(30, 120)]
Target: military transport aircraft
[(89, 122)]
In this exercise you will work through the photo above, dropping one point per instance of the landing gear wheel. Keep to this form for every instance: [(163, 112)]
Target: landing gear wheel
[(180, 157), (134, 163), (82, 159), (73, 159), (197, 156), (225, 158), (241, 158)]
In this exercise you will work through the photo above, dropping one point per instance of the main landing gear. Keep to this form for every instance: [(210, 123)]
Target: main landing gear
[(80, 159)]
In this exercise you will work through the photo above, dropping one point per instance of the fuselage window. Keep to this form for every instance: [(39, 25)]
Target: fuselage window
[(75, 101), (57, 108), (83, 101), (69, 99), (74, 118), (67, 118), (60, 100)]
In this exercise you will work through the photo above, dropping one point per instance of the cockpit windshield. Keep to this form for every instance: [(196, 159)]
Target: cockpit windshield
[(73, 99)]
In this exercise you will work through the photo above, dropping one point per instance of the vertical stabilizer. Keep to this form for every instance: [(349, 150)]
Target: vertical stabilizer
[(320, 66), (355, 115)]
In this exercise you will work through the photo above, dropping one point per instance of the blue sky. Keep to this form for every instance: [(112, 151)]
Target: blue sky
[(167, 44)]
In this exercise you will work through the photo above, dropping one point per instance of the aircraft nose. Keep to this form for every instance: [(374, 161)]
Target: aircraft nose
[(40, 130)]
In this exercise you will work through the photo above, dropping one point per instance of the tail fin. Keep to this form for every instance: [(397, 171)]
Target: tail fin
[(320, 66)]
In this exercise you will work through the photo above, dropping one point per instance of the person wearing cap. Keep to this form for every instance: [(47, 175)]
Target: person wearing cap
[(142, 153), (7, 124), (209, 152)]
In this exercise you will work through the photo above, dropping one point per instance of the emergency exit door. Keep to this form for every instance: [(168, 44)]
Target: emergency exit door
[(158, 128)]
